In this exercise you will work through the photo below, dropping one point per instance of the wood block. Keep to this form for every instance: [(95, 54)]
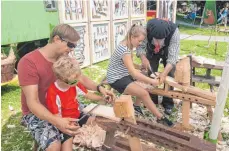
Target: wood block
[(123, 107), (182, 73), (102, 110)]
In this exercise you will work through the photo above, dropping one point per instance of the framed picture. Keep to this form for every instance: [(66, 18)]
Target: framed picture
[(100, 10), (100, 41), (81, 52), (119, 32), (50, 5), (120, 9), (73, 11), (138, 8), (138, 21)]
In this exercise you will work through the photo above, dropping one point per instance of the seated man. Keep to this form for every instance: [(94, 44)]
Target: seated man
[(35, 76)]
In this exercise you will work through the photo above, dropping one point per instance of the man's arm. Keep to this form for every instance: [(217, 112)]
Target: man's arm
[(141, 52), (34, 105), (173, 53), (91, 85)]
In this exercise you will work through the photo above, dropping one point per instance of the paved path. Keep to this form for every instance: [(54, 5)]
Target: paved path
[(204, 38)]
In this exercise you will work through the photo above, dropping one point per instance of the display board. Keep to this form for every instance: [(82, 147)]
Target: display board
[(100, 41)]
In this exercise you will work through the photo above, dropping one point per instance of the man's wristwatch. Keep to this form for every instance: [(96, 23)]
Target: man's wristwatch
[(100, 85)]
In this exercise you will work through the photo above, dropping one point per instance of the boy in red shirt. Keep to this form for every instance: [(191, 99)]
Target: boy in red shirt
[(61, 97)]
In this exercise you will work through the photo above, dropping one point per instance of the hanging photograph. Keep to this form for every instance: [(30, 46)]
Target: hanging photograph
[(81, 52), (120, 9), (139, 21), (138, 8), (74, 11), (100, 10), (100, 41), (50, 5), (119, 32)]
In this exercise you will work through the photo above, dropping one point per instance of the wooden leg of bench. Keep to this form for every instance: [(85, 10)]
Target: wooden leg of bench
[(135, 143), (185, 113), (109, 140)]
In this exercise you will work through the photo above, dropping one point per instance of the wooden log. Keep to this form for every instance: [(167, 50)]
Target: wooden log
[(123, 107), (181, 96), (190, 89), (182, 73)]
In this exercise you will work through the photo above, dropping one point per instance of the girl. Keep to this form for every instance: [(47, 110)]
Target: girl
[(121, 73)]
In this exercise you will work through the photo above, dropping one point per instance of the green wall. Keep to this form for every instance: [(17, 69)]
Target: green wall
[(26, 21)]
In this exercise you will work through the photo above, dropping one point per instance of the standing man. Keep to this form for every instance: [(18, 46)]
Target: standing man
[(35, 76), (162, 43)]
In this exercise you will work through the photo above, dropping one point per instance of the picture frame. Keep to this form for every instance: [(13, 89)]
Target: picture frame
[(138, 8), (99, 10), (50, 5), (138, 21), (81, 52), (120, 29), (73, 11), (120, 9), (100, 41)]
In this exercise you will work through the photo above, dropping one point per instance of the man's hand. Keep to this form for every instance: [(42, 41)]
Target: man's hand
[(65, 125), (162, 78), (108, 95), (145, 62)]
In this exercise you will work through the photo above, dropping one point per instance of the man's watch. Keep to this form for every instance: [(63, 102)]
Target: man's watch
[(100, 85)]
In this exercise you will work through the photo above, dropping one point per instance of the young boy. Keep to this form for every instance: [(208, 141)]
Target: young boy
[(61, 97)]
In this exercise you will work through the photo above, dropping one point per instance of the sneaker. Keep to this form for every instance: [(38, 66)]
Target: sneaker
[(138, 109), (165, 121)]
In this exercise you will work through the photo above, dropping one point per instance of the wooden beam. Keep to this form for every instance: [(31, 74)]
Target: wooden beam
[(181, 96), (190, 89)]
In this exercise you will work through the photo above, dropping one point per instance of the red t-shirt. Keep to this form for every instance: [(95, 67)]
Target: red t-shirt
[(64, 102), (34, 69)]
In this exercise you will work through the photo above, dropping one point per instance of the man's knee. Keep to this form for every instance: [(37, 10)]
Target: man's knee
[(54, 146)]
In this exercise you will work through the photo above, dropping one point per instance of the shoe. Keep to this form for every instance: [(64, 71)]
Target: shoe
[(138, 109), (165, 121), (168, 111)]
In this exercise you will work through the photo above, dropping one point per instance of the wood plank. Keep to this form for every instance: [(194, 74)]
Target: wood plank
[(218, 65), (181, 96), (191, 89), (211, 80), (102, 110)]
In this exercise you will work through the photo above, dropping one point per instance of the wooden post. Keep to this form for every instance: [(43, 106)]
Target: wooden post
[(123, 108), (220, 101), (182, 76)]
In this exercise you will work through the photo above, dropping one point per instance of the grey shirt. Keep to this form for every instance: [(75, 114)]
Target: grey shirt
[(173, 49)]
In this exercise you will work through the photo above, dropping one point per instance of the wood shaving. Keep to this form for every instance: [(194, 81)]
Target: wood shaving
[(91, 136)]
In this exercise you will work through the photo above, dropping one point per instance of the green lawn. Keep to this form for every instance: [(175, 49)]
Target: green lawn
[(15, 137), (196, 30)]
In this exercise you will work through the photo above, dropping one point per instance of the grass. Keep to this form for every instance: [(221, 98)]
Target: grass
[(15, 138), (196, 30)]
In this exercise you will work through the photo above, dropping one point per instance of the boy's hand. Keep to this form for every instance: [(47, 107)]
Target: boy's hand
[(109, 96), (65, 125)]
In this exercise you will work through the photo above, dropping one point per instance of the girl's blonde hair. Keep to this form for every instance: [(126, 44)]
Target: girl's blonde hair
[(134, 31), (64, 31), (65, 67)]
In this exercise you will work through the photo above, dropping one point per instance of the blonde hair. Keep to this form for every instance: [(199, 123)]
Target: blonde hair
[(134, 31), (65, 67), (64, 31)]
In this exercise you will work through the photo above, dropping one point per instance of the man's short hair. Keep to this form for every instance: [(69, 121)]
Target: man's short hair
[(64, 31)]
